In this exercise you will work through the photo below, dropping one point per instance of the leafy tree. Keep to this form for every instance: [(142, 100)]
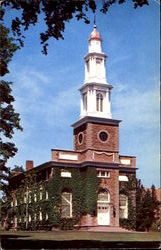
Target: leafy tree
[(18, 169), (146, 207), (9, 119), (55, 13)]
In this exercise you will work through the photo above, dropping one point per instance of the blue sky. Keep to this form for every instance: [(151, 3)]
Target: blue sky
[(46, 87)]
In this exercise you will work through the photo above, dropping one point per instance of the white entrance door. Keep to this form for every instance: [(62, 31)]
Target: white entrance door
[(103, 214)]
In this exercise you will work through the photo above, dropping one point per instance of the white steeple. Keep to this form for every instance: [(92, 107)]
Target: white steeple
[(95, 92)]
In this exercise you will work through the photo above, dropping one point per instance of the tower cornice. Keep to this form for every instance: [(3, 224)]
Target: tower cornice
[(95, 84), (95, 54), (98, 120)]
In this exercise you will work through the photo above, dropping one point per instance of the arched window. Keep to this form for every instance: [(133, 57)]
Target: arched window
[(87, 63), (123, 206), (66, 204), (99, 102), (85, 101), (103, 196)]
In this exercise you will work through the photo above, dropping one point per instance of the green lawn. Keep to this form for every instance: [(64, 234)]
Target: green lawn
[(75, 235)]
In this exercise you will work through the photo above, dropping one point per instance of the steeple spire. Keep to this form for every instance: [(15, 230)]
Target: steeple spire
[(94, 20), (95, 92)]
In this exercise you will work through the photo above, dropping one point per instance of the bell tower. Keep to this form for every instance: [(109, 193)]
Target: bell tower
[(95, 92), (96, 130)]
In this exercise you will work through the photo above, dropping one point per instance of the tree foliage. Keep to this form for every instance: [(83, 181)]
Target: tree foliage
[(9, 119), (55, 13), (7, 49), (143, 206), (147, 207)]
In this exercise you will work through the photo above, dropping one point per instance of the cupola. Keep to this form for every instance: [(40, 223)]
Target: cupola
[(95, 35)]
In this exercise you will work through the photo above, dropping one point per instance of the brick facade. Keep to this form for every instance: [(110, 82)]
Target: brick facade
[(96, 145), (90, 132)]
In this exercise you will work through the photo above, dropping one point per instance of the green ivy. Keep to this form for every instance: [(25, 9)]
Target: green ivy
[(83, 185)]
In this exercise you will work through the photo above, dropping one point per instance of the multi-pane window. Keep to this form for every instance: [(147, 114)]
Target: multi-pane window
[(99, 102), (104, 196), (123, 206), (66, 205), (103, 174)]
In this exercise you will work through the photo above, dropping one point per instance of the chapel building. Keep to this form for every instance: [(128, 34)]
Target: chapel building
[(82, 188)]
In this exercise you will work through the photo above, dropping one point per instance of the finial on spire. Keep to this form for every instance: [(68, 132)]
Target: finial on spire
[(95, 20)]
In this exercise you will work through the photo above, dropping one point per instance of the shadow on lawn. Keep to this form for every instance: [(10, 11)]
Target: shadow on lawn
[(12, 242)]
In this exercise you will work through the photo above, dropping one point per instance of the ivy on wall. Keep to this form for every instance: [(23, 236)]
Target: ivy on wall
[(84, 188)]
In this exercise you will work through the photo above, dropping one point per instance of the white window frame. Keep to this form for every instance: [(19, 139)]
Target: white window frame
[(100, 174), (46, 216), (30, 218), (46, 195), (40, 195), (123, 207), (99, 102), (105, 200), (40, 215), (66, 174), (69, 203), (35, 197), (123, 178), (25, 198)]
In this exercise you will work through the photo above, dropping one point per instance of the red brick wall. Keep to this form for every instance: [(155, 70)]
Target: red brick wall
[(91, 138), (112, 185)]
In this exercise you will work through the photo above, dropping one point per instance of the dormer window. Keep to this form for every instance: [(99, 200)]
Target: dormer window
[(99, 102)]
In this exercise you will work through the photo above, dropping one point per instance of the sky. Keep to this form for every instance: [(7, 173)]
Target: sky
[(46, 87)]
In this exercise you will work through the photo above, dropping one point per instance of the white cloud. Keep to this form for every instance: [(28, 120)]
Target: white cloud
[(138, 108)]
